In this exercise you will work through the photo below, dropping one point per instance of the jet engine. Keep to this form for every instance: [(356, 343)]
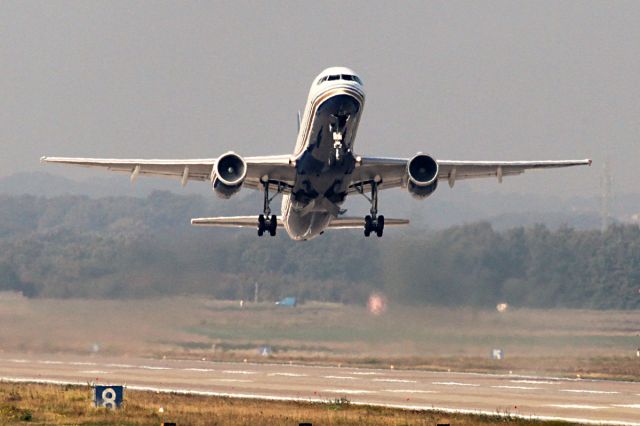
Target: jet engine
[(229, 174), (422, 171)]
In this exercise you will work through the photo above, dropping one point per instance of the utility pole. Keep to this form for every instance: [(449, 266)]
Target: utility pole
[(605, 206), (255, 292)]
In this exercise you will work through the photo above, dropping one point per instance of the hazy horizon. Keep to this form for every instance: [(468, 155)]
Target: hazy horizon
[(460, 80)]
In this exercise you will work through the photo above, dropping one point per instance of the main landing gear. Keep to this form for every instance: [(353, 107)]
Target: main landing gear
[(373, 223), (268, 222)]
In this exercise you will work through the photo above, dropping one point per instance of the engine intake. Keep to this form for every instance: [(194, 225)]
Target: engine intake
[(422, 171), (230, 171)]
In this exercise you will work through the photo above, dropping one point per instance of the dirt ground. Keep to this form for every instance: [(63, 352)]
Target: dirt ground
[(564, 342)]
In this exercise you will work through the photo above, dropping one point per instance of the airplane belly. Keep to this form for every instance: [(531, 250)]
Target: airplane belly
[(319, 173)]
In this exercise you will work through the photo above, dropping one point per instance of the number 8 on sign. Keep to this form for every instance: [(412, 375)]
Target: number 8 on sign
[(109, 398)]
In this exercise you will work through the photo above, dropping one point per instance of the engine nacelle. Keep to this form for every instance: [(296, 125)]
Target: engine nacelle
[(230, 171), (422, 171)]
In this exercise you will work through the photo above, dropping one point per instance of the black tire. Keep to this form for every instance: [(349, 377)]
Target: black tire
[(261, 225), (368, 225), (380, 226), (273, 225)]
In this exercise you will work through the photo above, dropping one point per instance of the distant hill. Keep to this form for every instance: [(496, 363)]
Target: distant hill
[(445, 208)]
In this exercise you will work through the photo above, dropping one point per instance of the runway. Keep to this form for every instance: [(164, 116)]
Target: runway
[(585, 401)]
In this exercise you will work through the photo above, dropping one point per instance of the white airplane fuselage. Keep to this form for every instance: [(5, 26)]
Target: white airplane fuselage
[(323, 154)]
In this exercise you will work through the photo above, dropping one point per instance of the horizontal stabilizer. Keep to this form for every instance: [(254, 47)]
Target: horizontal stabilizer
[(230, 221), (358, 222)]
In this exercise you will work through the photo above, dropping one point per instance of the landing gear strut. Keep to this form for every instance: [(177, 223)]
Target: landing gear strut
[(373, 222), (268, 222), (337, 130)]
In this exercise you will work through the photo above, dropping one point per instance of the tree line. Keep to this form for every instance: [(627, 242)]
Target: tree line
[(124, 247)]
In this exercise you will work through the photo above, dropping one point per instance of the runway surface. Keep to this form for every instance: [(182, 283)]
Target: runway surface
[(585, 401)]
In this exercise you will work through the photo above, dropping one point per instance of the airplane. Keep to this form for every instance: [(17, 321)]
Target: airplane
[(322, 171)]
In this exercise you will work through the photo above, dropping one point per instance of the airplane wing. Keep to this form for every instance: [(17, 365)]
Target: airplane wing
[(277, 167), (392, 172), (252, 222)]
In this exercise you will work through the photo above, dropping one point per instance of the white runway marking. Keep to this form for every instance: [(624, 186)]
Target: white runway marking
[(626, 405), (589, 391), (514, 387), (82, 363), (534, 382), (121, 365), (409, 391), (287, 374), (349, 391), (394, 381), (455, 384), (50, 362), (20, 361), (364, 373), (324, 401), (151, 367), (201, 370), (239, 372), (231, 380), (339, 377), (94, 372), (579, 406)]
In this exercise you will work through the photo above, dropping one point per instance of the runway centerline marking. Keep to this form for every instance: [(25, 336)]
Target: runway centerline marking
[(232, 380), (409, 391), (239, 372), (200, 370), (287, 375), (19, 361), (349, 391), (120, 365), (455, 384), (578, 406), (394, 380), (589, 391), (364, 373), (626, 405), (94, 372), (535, 382), (82, 363), (339, 377), (50, 362), (515, 387), (151, 367)]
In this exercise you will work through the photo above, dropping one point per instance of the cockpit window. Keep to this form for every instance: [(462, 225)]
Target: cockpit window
[(347, 77)]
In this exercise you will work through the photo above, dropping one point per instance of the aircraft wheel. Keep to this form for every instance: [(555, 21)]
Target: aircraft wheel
[(368, 225), (380, 226), (273, 225), (262, 225)]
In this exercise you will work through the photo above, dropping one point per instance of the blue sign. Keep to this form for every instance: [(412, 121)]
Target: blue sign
[(109, 396)]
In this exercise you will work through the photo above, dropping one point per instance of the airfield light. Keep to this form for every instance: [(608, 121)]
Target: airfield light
[(377, 304)]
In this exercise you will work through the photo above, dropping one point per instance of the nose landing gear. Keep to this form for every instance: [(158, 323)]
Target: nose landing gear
[(337, 129)]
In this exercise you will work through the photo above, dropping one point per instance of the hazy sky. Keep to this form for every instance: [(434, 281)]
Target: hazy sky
[(460, 80)]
